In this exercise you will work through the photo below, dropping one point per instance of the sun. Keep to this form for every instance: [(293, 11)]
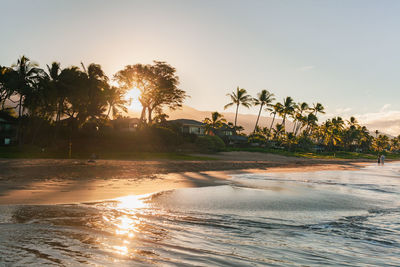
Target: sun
[(132, 96)]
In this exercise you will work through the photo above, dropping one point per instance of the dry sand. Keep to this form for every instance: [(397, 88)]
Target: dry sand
[(53, 181)]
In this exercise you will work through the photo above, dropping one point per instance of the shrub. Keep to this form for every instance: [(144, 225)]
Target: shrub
[(210, 143), (305, 143)]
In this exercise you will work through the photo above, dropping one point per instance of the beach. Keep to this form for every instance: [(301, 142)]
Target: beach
[(59, 181)]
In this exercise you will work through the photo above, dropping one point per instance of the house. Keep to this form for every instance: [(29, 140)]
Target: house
[(226, 133), (8, 130), (190, 126), (126, 124)]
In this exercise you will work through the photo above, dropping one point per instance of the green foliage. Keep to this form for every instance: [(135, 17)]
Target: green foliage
[(210, 143), (257, 138), (305, 143), (215, 122)]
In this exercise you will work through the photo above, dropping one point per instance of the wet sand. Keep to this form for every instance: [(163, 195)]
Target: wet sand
[(55, 181)]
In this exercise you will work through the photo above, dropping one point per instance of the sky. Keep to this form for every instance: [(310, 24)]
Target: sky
[(342, 53)]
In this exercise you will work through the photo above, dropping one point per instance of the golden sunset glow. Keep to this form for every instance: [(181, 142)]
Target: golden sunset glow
[(126, 224), (132, 96)]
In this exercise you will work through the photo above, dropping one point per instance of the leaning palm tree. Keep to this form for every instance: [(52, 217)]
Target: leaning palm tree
[(264, 98), (277, 109), (288, 108), (215, 122), (300, 109), (240, 97)]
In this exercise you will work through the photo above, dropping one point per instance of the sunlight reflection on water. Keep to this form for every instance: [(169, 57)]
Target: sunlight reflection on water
[(312, 219)]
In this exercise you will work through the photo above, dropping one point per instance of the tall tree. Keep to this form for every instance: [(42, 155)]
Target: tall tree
[(264, 99), (158, 86), (240, 97), (276, 109), (287, 109), (86, 93), (25, 75), (300, 109), (166, 92), (53, 75)]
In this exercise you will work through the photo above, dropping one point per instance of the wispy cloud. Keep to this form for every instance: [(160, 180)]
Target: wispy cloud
[(385, 120), (306, 68)]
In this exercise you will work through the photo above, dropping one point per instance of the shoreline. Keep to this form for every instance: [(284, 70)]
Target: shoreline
[(55, 181)]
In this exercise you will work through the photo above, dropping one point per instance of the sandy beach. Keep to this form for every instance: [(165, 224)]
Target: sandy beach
[(57, 181)]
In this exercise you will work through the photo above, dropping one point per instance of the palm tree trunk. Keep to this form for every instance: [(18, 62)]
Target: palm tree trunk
[(258, 117), (237, 109), (272, 123), (19, 135)]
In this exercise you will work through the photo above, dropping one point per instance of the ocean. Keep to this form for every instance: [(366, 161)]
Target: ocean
[(324, 218)]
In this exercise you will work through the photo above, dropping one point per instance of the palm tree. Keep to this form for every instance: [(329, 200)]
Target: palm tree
[(26, 75), (381, 142), (264, 98), (240, 97), (116, 101), (277, 109), (366, 139), (278, 130), (53, 75), (215, 122), (300, 108), (352, 121), (318, 108), (311, 122), (97, 90), (288, 108)]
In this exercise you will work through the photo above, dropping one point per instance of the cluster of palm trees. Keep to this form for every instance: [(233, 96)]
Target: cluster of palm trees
[(303, 116), (304, 130), (79, 94), (69, 98)]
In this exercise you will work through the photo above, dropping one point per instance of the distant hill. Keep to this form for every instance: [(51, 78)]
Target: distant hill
[(246, 120)]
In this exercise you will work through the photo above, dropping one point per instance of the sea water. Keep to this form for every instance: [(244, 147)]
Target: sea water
[(325, 218)]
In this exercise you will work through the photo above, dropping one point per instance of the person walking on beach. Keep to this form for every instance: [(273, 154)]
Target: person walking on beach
[(379, 159), (383, 159)]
